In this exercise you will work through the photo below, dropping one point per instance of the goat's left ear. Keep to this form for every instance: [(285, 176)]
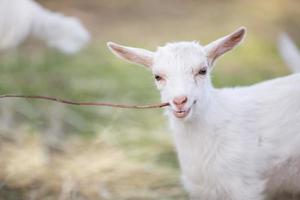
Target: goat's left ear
[(131, 54), (224, 44)]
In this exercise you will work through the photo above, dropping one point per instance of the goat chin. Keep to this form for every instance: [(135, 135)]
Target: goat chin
[(23, 18)]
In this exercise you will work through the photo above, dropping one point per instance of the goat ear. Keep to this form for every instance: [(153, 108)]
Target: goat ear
[(224, 44), (135, 55)]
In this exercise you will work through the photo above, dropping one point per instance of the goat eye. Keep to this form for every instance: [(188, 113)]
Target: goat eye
[(202, 71), (158, 78)]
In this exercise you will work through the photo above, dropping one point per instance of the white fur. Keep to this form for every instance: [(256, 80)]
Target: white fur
[(20, 19), (238, 143)]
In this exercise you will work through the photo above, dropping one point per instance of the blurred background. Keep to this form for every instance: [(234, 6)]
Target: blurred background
[(53, 151)]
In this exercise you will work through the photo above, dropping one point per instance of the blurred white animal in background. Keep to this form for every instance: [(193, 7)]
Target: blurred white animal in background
[(20, 19), (289, 52)]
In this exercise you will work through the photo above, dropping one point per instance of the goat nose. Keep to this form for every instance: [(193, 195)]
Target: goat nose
[(180, 100)]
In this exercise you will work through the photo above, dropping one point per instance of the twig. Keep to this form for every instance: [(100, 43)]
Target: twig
[(84, 103)]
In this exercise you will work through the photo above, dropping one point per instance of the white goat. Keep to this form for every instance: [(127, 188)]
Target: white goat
[(22, 18), (233, 143), (289, 52)]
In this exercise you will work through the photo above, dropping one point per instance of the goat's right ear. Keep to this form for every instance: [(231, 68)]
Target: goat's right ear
[(217, 48), (131, 54)]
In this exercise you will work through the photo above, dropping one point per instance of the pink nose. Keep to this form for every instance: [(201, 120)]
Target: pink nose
[(180, 101)]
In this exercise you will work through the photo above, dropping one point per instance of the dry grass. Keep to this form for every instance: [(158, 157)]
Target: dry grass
[(84, 169)]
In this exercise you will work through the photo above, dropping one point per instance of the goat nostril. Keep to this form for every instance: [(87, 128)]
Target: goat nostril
[(180, 100)]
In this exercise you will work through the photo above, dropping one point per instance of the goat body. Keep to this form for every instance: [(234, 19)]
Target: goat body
[(244, 143)]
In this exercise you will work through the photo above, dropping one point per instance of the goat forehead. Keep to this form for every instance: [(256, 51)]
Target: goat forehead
[(179, 56)]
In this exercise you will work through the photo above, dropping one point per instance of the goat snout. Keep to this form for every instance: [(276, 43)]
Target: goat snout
[(180, 101)]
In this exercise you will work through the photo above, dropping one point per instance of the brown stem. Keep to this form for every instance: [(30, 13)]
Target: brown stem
[(84, 103)]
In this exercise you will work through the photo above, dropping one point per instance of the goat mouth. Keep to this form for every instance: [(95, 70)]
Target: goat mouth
[(181, 113)]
